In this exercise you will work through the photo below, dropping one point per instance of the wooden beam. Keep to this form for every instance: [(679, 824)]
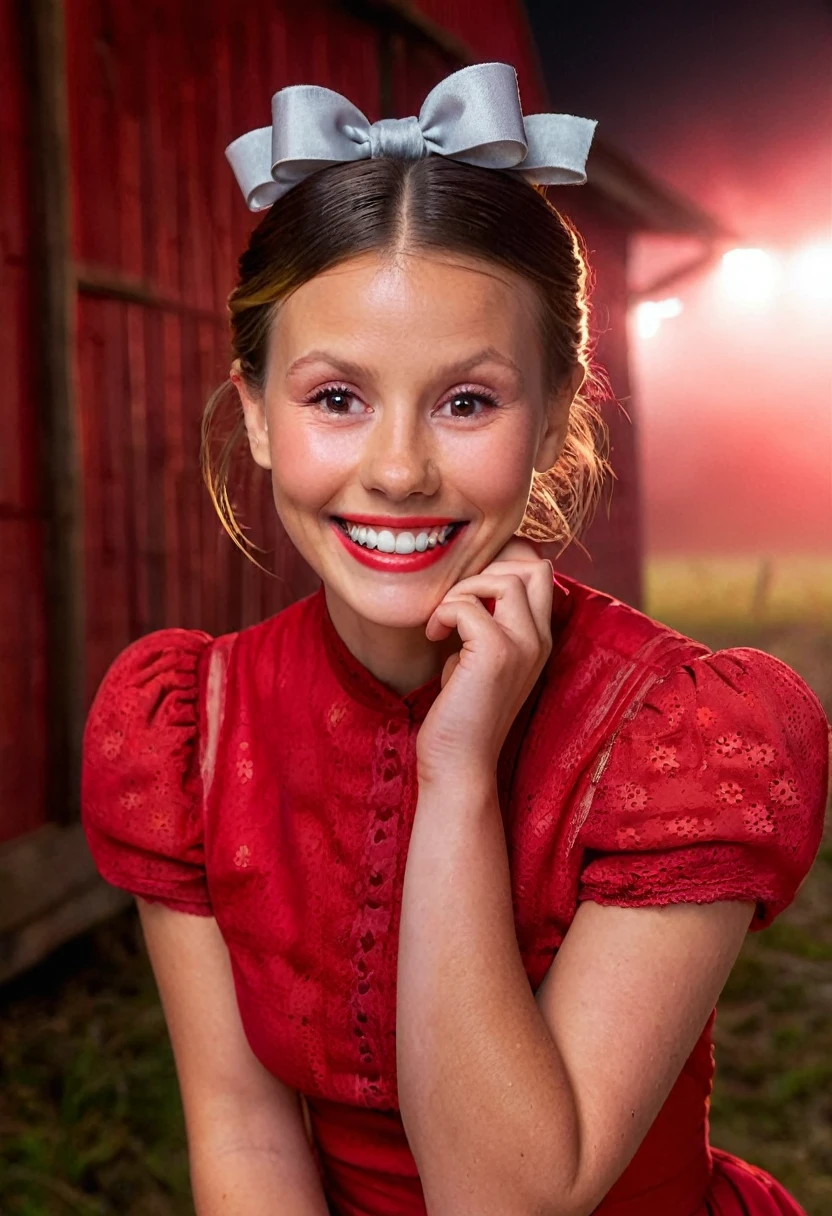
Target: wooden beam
[(700, 262), (54, 319), (107, 284), (405, 17), (37, 915)]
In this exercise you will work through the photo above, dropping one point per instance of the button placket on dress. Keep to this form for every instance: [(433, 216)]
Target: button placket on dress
[(375, 891)]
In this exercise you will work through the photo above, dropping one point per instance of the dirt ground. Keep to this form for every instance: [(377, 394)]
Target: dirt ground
[(90, 1117)]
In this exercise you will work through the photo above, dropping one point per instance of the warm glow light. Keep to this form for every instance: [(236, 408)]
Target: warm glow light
[(750, 275), (651, 313), (811, 272)]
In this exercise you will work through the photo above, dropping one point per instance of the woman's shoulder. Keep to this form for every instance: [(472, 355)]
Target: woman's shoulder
[(284, 635), (603, 653), (146, 677), (586, 621), (140, 805), (706, 772), (711, 783), (609, 636), (147, 741)]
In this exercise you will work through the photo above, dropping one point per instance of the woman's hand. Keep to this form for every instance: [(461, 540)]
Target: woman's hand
[(486, 682)]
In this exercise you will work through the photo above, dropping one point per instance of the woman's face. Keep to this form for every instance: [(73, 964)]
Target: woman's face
[(405, 409)]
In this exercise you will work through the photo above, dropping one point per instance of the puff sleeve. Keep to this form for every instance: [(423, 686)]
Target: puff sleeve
[(715, 789), (140, 787)]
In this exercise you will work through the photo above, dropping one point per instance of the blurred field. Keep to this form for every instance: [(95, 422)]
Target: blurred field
[(90, 1118)]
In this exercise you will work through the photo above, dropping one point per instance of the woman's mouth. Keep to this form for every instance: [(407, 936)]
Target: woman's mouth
[(397, 548)]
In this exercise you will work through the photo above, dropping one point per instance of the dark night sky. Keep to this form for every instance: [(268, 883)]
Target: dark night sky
[(728, 100)]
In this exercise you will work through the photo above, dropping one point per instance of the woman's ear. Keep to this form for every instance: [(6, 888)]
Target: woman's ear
[(254, 412), (556, 426)]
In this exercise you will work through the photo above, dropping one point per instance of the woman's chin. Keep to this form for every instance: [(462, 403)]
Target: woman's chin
[(400, 610)]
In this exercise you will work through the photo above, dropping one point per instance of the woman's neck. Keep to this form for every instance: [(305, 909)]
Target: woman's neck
[(402, 659)]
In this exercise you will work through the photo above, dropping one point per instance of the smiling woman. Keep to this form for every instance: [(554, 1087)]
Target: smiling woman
[(468, 852), (422, 231), (429, 386)]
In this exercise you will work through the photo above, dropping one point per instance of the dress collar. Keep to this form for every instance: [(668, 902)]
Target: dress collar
[(362, 685)]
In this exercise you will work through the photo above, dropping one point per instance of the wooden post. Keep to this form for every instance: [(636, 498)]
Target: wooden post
[(54, 321)]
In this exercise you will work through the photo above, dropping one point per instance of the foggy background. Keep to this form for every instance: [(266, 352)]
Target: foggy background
[(730, 104)]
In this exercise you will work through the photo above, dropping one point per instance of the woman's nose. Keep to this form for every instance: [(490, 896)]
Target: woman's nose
[(399, 458)]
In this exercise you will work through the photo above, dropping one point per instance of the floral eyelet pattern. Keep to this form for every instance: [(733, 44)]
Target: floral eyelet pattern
[(726, 758)]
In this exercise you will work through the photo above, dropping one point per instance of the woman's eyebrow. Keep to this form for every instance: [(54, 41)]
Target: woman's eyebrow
[(488, 354), (324, 356)]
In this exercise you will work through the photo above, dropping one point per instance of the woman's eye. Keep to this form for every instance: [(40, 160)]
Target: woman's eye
[(469, 405), (336, 400)]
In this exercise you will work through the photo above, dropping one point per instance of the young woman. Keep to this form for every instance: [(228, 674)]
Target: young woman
[(442, 869)]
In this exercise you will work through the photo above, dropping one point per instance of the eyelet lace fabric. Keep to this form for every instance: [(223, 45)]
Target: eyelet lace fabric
[(711, 791), (268, 779), (141, 794)]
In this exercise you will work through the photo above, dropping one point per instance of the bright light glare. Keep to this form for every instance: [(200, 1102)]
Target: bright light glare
[(651, 313), (812, 272), (749, 275)]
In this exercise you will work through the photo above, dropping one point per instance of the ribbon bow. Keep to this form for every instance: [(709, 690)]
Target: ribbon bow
[(473, 115)]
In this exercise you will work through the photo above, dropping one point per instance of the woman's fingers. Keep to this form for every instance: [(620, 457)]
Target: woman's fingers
[(449, 668), (505, 582), (464, 613)]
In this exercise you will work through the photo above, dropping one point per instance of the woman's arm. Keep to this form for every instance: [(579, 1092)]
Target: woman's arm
[(247, 1143), (516, 1105)]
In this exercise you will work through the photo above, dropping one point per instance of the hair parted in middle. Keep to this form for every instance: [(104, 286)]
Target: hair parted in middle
[(436, 205)]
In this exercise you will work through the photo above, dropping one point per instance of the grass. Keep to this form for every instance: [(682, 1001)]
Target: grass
[(90, 1117)]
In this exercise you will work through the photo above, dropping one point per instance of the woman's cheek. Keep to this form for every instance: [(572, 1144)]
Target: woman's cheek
[(495, 477), (310, 465)]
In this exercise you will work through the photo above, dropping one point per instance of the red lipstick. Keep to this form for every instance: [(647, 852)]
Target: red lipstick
[(400, 521)]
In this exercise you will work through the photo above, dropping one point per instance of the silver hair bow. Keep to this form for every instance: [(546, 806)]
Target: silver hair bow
[(473, 115)]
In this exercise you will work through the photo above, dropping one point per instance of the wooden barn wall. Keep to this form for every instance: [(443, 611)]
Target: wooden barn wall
[(22, 688), (156, 91)]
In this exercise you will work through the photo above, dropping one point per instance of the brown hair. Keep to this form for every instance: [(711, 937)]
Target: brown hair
[(437, 204)]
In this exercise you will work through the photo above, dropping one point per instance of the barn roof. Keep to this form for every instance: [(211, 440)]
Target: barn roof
[(650, 205), (501, 31)]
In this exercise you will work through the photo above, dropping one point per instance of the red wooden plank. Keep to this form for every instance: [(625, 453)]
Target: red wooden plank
[(136, 471), (14, 200), (90, 339), (170, 408), (22, 691), (22, 628)]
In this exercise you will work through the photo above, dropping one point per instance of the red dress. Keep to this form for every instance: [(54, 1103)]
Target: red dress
[(644, 769)]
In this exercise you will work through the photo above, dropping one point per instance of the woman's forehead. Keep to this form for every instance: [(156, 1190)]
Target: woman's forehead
[(407, 300)]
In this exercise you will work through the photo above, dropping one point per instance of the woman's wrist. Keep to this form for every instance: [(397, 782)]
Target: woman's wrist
[(464, 784)]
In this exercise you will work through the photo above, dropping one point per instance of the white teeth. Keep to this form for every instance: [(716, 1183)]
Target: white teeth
[(405, 543)]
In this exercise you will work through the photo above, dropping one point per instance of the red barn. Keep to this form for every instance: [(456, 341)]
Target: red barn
[(120, 223)]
